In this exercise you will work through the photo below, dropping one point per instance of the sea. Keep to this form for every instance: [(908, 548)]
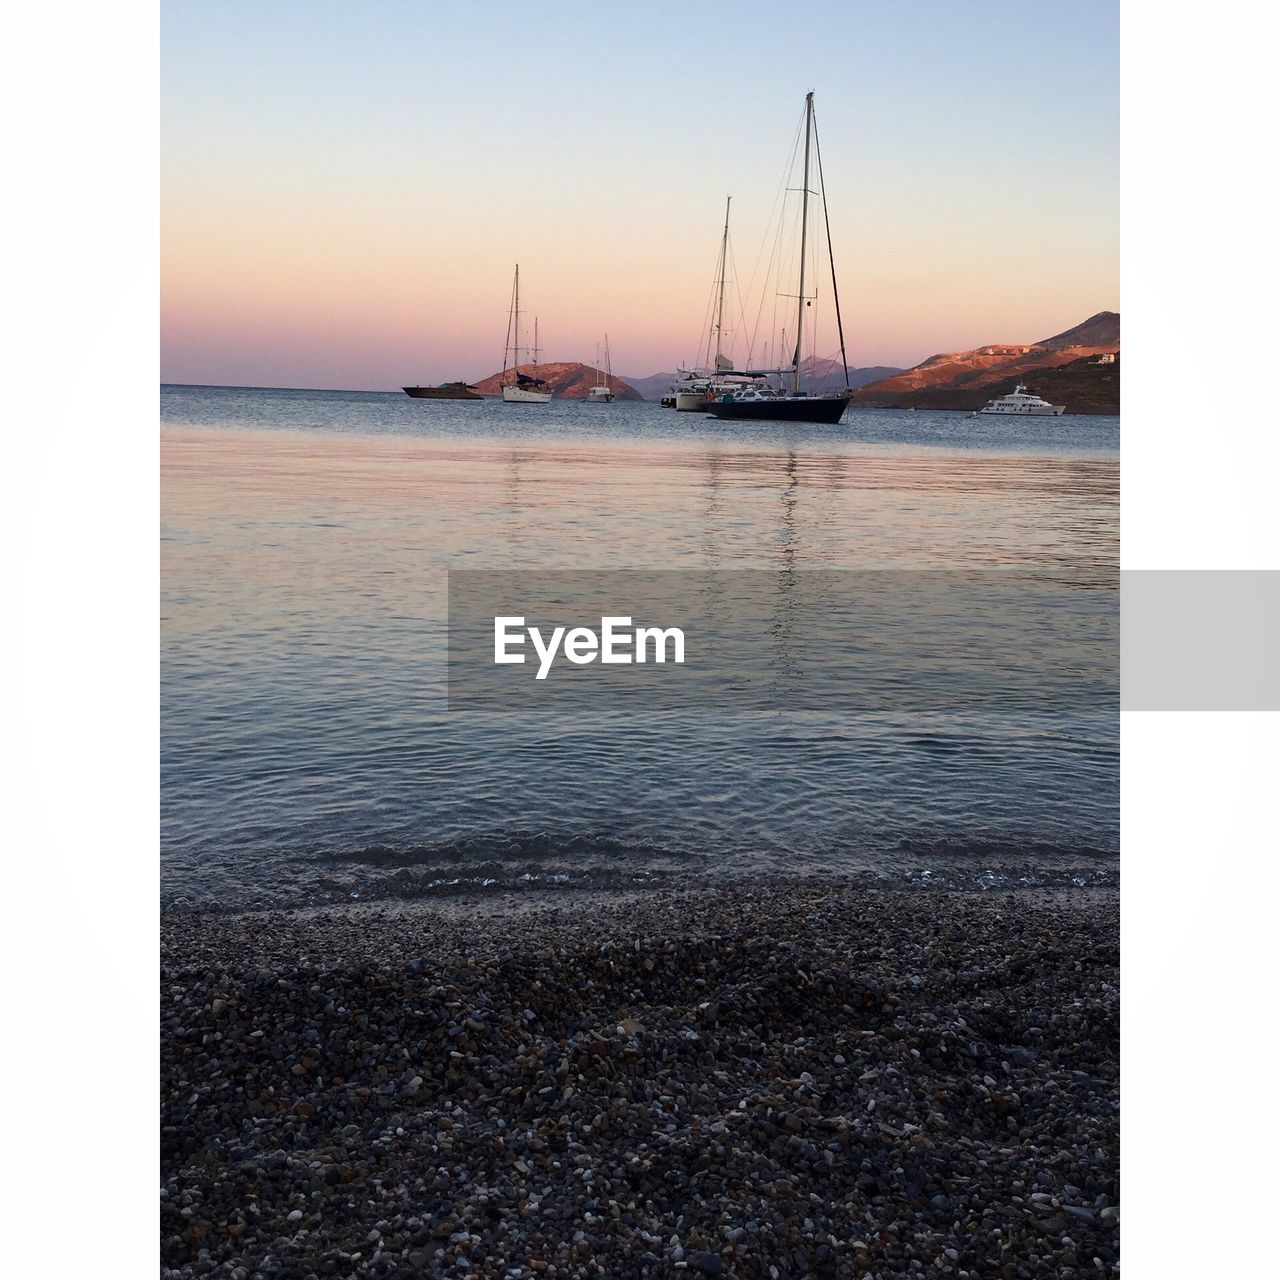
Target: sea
[(309, 751)]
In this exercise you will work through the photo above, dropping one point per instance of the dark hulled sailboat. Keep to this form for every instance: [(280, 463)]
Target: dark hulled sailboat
[(780, 406), (795, 406)]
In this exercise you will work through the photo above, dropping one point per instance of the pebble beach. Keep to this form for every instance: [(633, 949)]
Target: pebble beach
[(783, 1079)]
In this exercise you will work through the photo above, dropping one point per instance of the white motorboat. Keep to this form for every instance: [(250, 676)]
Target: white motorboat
[(1020, 402), (692, 391), (696, 393)]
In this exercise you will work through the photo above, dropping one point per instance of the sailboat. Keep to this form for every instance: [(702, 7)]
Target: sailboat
[(694, 390), (523, 388), (602, 392), (795, 405)]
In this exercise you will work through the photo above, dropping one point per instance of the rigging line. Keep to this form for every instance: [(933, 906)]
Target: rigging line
[(704, 332), (740, 321), (708, 316), (718, 327), (742, 314), (774, 272), (732, 265), (764, 284), (779, 195), (783, 239), (506, 350), (826, 217), (778, 208)]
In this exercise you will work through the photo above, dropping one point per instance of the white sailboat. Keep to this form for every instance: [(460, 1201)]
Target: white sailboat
[(602, 392), (523, 388), (695, 389)]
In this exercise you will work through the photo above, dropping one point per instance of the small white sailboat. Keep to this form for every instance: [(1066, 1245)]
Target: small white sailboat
[(1021, 402), (523, 388), (694, 390), (602, 392)]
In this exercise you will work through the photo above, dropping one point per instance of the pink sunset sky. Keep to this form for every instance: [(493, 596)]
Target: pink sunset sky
[(345, 189)]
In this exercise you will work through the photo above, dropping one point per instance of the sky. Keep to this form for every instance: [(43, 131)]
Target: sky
[(345, 188)]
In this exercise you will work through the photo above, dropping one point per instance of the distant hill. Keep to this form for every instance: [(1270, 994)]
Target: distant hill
[(655, 386), (827, 375), (968, 379), (1102, 330), (568, 379)]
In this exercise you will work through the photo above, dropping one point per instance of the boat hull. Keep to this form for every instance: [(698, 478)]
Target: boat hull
[(819, 409), (603, 397), (517, 395), (691, 401), (442, 393), (1034, 411)]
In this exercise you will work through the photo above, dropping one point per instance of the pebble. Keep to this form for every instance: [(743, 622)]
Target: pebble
[(819, 1078)]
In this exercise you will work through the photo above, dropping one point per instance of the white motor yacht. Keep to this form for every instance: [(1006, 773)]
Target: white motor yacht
[(1021, 402)]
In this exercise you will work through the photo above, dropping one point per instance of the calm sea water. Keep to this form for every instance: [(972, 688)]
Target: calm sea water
[(307, 751)]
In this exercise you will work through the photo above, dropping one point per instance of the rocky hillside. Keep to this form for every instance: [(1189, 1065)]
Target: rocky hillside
[(968, 379), (1084, 386), (568, 379)]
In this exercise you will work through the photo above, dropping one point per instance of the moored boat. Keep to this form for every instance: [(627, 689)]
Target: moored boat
[(1020, 402), (796, 405), (602, 392), (522, 388), (695, 393), (445, 391), (695, 390), (526, 389), (769, 405)]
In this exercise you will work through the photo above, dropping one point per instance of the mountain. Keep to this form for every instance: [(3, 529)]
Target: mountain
[(567, 379), (655, 386), (968, 379), (1101, 331), (827, 376)]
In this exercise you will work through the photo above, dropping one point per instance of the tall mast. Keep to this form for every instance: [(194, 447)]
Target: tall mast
[(506, 348), (804, 229), (535, 344), (724, 246), (517, 313), (608, 377)]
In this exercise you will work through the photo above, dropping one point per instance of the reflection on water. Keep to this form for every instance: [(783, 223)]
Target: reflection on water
[(305, 748)]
